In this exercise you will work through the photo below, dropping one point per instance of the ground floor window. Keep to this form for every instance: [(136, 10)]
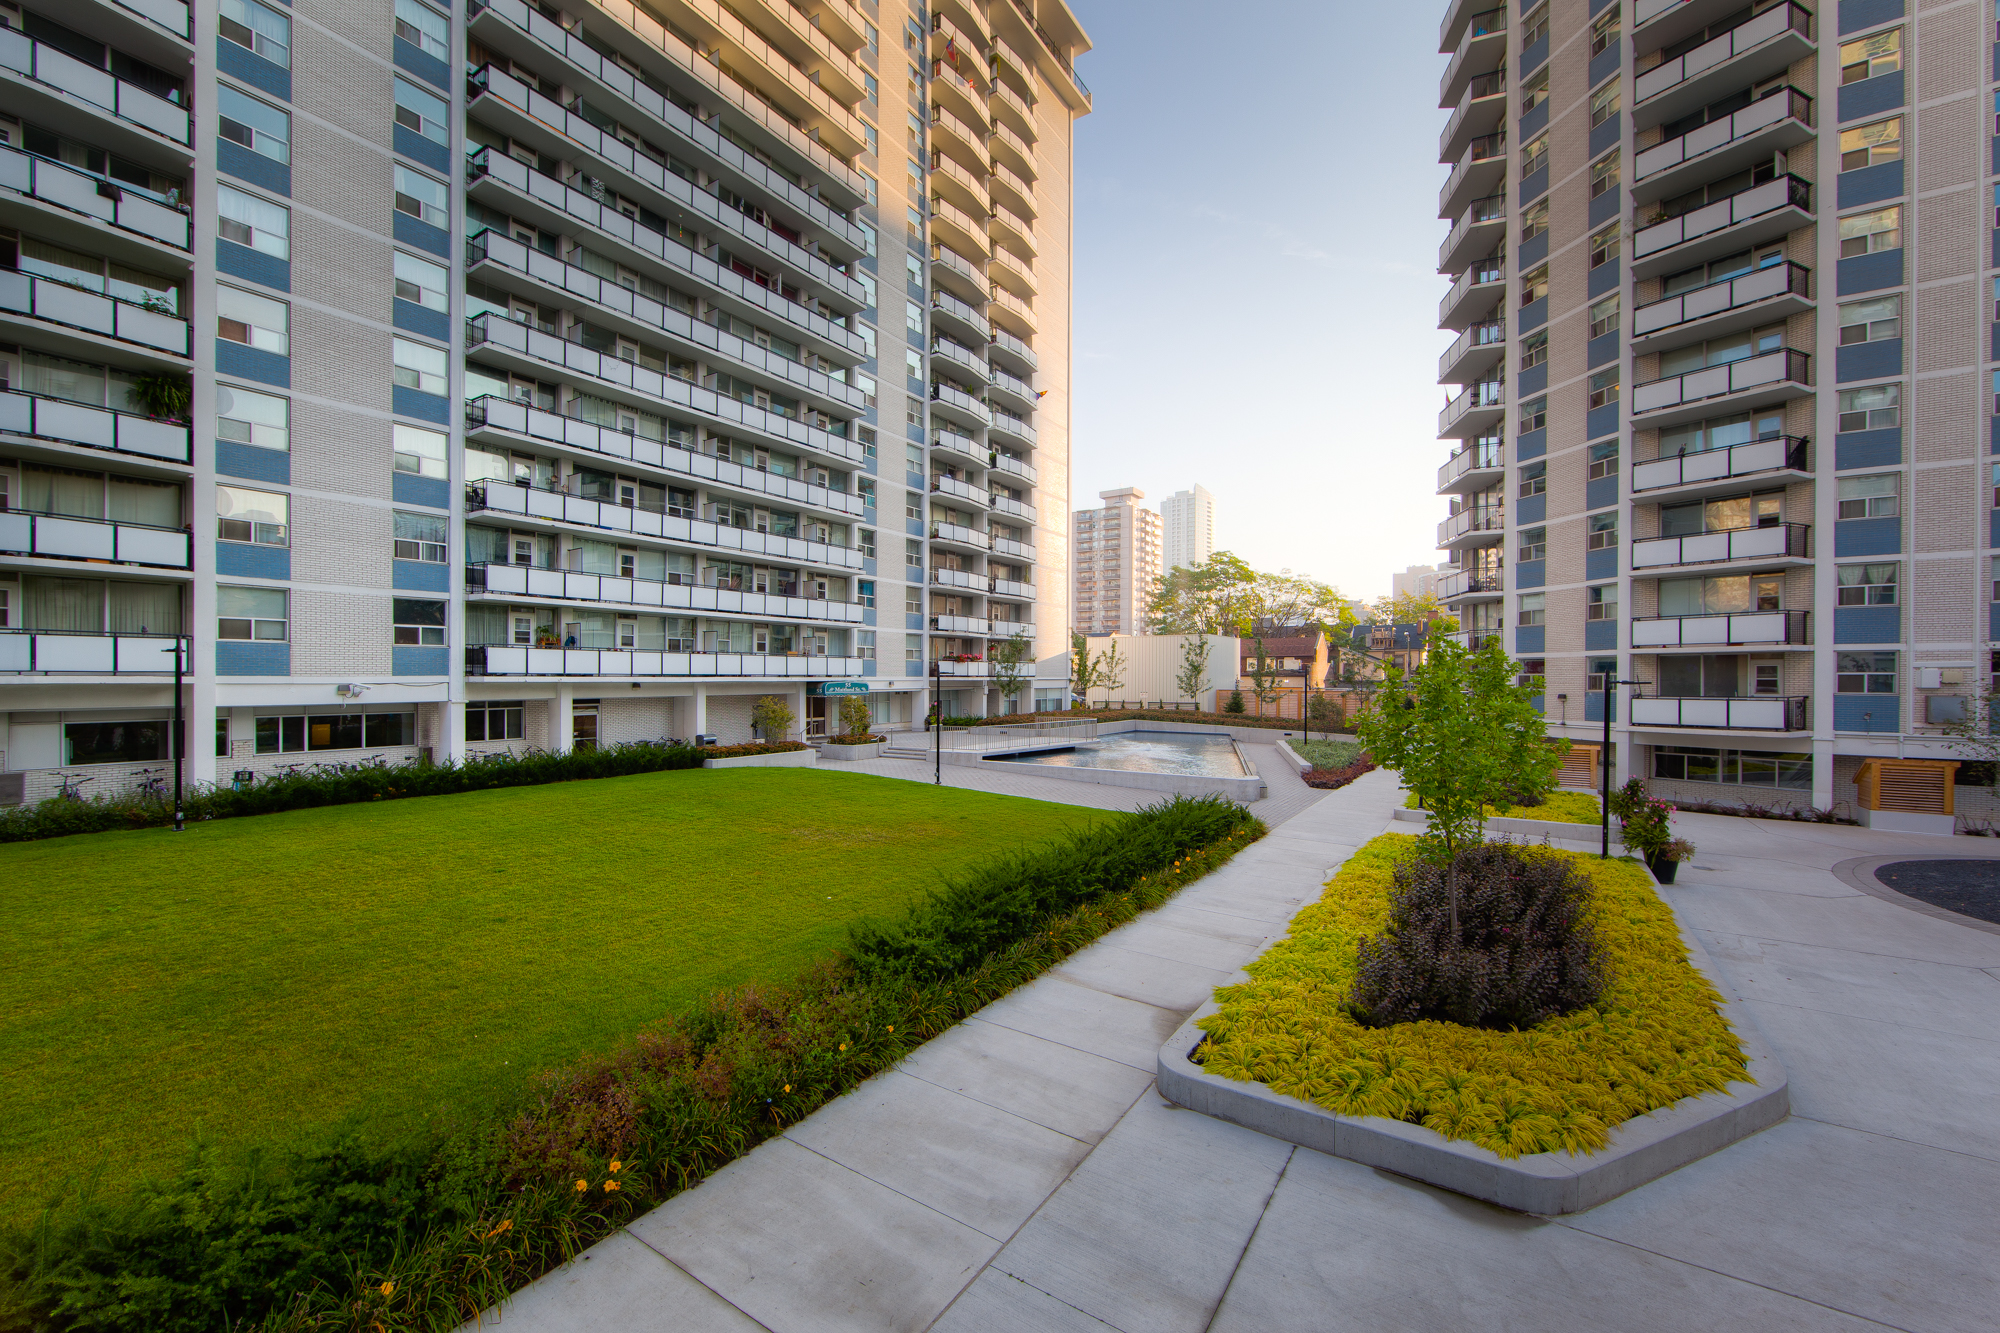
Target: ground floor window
[(1051, 701), (115, 742), (334, 731), (1745, 768), (495, 721)]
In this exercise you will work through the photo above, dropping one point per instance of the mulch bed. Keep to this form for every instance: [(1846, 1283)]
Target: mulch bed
[(1332, 779), (1970, 888)]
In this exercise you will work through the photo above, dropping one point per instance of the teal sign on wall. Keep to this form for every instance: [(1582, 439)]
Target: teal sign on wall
[(838, 687)]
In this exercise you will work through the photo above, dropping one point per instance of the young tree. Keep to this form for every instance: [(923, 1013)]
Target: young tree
[(1110, 667), (1263, 675), (1194, 667), (1975, 735), (1464, 735), (1009, 677), (1082, 670), (772, 716), (855, 716)]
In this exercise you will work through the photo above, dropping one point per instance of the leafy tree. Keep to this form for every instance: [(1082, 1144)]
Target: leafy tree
[(1464, 735), (1009, 675), (772, 716), (855, 716), (1111, 666), (1098, 671), (1194, 667), (1263, 675), (1410, 608), (1215, 596), (1975, 736)]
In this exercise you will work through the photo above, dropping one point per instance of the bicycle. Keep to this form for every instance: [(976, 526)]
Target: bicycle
[(71, 789), (152, 783), (288, 770)]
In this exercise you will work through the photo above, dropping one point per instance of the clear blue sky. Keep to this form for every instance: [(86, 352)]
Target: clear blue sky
[(1256, 291)]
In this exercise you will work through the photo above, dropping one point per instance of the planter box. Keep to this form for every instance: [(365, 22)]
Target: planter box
[(788, 759), (852, 753)]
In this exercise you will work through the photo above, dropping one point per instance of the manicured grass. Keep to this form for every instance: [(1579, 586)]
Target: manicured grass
[(404, 961), (1655, 1036), (1558, 807), (1327, 754)]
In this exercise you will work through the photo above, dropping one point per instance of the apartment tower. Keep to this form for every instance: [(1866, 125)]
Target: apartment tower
[(466, 378), (1720, 284), (1117, 554), (1190, 527)]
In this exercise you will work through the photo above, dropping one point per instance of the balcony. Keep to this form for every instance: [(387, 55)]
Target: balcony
[(1005, 423), (970, 192), (63, 653), (1762, 297), (1007, 306), (1724, 629), (1736, 142), (126, 322), (959, 578), (1012, 549), (957, 312), (498, 421), (1475, 296), (1474, 412), (1478, 350), (1472, 527), (1026, 159), (1011, 391), (1008, 345), (961, 356), (169, 14), (1738, 386), (625, 664), (1762, 213), (947, 261), (957, 534), (961, 625), (1466, 585), (1013, 275), (1007, 629), (70, 81), (1018, 194), (1480, 111), (1658, 23), (1755, 50), (957, 133), (94, 427), (1477, 174), (1004, 504), (122, 206), (1014, 588), (1008, 465), (51, 536), (1479, 230), (1472, 640), (1481, 50), (1752, 714), (546, 506), (568, 585), (1718, 471), (958, 490), (963, 670), (1779, 544), (1471, 470)]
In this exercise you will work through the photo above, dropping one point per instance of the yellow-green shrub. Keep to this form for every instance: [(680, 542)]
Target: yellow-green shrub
[(1559, 807), (1655, 1037)]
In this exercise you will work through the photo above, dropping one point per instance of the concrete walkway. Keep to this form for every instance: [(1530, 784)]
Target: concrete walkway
[(1020, 1172)]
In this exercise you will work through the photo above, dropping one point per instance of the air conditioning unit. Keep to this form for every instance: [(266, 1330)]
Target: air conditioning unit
[(1938, 678)]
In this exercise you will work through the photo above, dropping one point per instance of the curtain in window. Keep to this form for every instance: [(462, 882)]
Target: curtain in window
[(157, 503), (60, 490), (145, 608), (485, 624), (62, 604), (71, 381), (485, 546)]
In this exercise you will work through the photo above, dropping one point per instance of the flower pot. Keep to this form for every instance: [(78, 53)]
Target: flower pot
[(1663, 867)]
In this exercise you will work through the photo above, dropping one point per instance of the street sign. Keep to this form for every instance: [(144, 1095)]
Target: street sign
[(825, 687)]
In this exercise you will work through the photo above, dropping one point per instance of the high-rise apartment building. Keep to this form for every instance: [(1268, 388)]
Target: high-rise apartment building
[(1720, 284), (1116, 550), (1414, 581), (1190, 527), (463, 378)]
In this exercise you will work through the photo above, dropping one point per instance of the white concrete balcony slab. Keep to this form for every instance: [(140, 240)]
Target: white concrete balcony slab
[(1011, 426), (1754, 299), (1726, 629), (963, 670), (631, 664), (959, 578), (1477, 231), (1482, 48), (960, 625), (1465, 585), (568, 585), (1474, 412), (54, 653), (542, 506), (1014, 588), (1750, 218), (1475, 295), (61, 538), (59, 303), (1780, 543), (94, 196), (1005, 504), (1470, 470), (1472, 527), (93, 86), (1753, 714), (1476, 352), (1477, 174), (1736, 386), (94, 427), (1769, 125), (1008, 465), (959, 490), (1719, 470), (1757, 49)]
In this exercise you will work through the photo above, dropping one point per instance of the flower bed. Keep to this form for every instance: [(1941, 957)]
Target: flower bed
[(855, 740), (1654, 1037), (753, 748), (1333, 779), (1558, 807)]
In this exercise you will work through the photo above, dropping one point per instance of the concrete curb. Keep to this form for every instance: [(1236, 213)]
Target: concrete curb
[(1642, 1149), (1530, 827), (784, 759)]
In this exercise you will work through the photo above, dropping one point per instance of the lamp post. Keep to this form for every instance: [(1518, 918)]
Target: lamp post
[(178, 745), (1611, 684), (937, 722)]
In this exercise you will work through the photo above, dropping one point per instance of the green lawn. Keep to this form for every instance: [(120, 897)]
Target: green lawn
[(395, 961)]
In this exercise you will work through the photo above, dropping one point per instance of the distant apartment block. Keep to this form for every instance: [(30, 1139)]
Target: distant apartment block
[(1190, 527), (1415, 581), (1116, 555)]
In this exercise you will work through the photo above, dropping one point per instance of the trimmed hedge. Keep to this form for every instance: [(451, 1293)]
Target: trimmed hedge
[(1157, 715), (425, 1234), (55, 817)]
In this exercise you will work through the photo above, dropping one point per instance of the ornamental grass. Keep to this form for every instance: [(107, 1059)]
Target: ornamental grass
[(1655, 1035)]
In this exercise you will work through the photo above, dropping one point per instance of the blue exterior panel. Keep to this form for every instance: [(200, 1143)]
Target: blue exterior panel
[(1532, 381), (1533, 315), (1601, 564), (1528, 639), (1871, 97), (1532, 252), (1604, 278), (1993, 622), (1868, 448), (1606, 206), (1858, 14), (253, 69), (1534, 509), (1600, 636), (1533, 57), (239, 657), (1871, 185), (243, 561), (409, 660), (1993, 528), (1534, 185), (412, 231), (1593, 706), (1868, 273), (420, 576), (260, 268), (419, 149), (1867, 624), (432, 492), (423, 406), (1867, 712), (240, 162), (1600, 492), (1534, 120), (913, 526), (234, 459), (1606, 63), (252, 363), (1868, 536), (1600, 421), (1602, 349), (1868, 361), (1531, 573), (1606, 135), (1532, 444), (912, 622), (413, 318), (412, 60)]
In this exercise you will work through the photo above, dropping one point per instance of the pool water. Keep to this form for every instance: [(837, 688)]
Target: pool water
[(1146, 752)]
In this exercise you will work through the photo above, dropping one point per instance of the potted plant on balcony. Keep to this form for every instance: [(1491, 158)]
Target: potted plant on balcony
[(163, 395), (545, 636)]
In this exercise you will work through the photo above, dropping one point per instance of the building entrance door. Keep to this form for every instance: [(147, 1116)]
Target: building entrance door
[(583, 728)]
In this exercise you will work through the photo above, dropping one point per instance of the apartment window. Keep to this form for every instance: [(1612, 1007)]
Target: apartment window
[(1535, 285), (1534, 350), (1604, 247), (1534, 415), (1601, 602), (1605, 103), (421, 197), (1604, 32), (1867, 585), (1604, 174), (1864, 673), (258, 126), (1602, 670), (422, 282), (1871, 56), (913, 317), (422, 537), (257, 28), (1534, 154), (1603, 535), (1747, 768), (1870, 497), (247, 220), (864, 593), (1871, 233), (913, 647), (419, 452), (418, 622), (913, 554), (1995, 571), (873, 86), (1604, 460), (1871, 321), (251, 613), (1534, 220), (1869, 145), (252, 320), (1535, 91), (1531, 609), (1534, 545), (913, 602), (1534, 480), (262, 518), (423, 27), (419, 367), (1604, 316), (1535, 27), (259, 419), (494, 721), (864, 542), (1604, 388), (1879, 407), (1721, 594)]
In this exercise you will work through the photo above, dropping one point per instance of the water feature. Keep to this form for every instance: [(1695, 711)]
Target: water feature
[(1145, 752)]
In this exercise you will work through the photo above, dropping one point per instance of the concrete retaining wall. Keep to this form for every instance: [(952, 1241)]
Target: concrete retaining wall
[(788, 759)]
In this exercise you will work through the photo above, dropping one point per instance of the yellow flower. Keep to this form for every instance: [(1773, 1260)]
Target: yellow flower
[(892, 1027), (388, 1288), (843, 1046), (618, 1166), (610, 1185), (582, 1185), (788, 1087), (506, 1225)]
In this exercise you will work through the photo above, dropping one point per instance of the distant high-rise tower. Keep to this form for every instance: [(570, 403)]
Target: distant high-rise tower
[(1117, 559), (1190, 524)]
